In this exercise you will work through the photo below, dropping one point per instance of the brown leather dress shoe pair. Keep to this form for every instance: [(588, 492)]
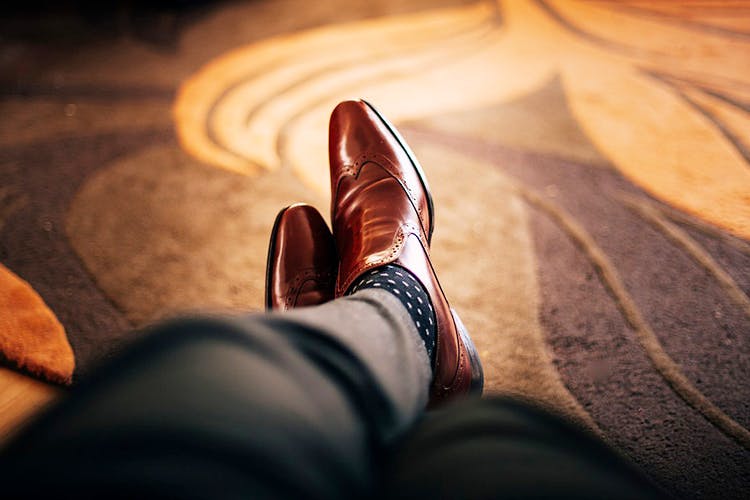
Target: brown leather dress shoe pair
[(382, 213)]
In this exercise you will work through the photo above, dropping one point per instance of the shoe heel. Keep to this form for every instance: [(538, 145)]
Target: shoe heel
[(477, 373)]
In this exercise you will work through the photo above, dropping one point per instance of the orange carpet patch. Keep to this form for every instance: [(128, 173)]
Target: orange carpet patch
[(31, 337)]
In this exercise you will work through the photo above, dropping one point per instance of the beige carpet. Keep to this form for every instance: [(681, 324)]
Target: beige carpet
[(589, 162)]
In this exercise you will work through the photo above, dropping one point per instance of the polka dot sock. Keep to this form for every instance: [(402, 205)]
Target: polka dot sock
[(403, 285)]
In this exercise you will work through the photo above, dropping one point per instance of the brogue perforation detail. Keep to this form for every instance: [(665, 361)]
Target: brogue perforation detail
[(393, 169), (300, 279), (447, 389), (404, 231)]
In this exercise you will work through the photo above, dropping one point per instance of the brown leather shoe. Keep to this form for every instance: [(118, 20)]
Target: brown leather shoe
[(382, 214), (301, 265)]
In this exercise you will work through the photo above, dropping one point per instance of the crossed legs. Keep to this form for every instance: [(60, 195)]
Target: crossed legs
[(325, 401), (290, 406)]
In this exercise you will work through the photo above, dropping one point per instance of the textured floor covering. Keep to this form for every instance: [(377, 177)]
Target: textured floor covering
[(589, 161)]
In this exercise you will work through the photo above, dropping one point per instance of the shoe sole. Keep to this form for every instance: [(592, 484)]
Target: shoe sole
[(415, 164), (477, 373)]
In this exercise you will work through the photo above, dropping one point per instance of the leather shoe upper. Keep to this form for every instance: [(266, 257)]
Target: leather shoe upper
[(381, 214), (301, 262)]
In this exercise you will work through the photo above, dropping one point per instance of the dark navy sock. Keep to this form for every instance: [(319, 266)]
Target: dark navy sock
[(403, 285)]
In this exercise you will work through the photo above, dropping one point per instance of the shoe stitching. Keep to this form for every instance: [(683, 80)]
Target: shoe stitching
[(397, 174), (440, 388), (406, 229), (392, 169), (300, 279)]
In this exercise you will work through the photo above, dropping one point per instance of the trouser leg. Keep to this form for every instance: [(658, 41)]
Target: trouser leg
[(293, 405), (499, 448)]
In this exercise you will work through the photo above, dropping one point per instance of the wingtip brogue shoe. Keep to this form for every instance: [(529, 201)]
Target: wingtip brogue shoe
[(301, 264), (382, 213)]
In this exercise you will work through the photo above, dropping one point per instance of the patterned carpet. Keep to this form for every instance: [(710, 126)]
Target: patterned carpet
[(590, 163)]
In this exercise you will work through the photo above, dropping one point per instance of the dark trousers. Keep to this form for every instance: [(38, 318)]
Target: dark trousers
[(266, 407)]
